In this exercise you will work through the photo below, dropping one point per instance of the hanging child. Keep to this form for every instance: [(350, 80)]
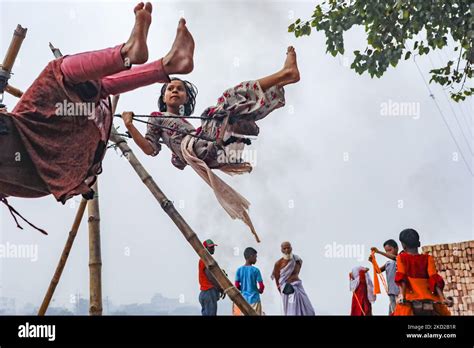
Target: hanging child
[(45, 149), (242, 105)]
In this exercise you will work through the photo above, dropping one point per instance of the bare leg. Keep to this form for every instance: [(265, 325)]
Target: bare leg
[(287, 75), (94, 65), (136, 77), (179, 59), (135, 49)]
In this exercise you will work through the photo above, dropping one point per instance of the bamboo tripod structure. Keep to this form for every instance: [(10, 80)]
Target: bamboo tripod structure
[(94, 246)]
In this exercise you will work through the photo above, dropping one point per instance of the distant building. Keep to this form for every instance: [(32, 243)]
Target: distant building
[(7, 306), (159, 305)]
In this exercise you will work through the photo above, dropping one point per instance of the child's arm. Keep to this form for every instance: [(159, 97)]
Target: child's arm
[(403, 290), (387, 255), (261, 287), (237, 279), (382, 269), (138, 138), (401, 279)]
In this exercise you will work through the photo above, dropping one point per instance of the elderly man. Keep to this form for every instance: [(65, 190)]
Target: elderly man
[(285, 273)]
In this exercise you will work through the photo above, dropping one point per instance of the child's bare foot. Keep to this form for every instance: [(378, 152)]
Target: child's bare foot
[(179, 59), (135, 50), (290, 70)]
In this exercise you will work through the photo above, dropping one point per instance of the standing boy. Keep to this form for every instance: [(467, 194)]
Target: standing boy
[(248, 277)]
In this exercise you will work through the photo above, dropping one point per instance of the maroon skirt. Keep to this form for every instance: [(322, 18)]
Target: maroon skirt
[(60, 155)]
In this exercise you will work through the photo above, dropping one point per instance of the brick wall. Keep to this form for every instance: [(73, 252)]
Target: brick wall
[(455, 263)]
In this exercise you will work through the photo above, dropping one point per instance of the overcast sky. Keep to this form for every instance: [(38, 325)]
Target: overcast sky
[(333, 168)]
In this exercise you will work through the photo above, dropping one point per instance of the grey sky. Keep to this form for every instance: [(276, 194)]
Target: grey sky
[(331, 168)]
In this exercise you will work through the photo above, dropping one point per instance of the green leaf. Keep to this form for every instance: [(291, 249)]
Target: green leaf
[(389, 24)]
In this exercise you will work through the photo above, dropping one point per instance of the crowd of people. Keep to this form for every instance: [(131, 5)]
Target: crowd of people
[(249, 281), (411, 282)]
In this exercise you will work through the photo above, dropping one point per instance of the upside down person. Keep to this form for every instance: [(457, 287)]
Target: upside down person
[(417, 277), (62, 155), (244, 104)]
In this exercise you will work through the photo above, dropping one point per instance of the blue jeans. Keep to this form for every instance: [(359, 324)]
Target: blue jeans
[(208, 300)]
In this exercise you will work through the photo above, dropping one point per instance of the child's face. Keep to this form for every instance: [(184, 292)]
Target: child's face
[(253, 259), (175, 95), (390, 249)]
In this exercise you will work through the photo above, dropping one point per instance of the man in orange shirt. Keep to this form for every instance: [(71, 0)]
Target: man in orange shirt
[(211, 292)]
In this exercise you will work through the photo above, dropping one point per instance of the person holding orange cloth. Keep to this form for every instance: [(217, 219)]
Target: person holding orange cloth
[(363, 294), (417, 277)]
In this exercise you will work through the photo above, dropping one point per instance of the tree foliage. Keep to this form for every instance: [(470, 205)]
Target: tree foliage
[(392, 25)]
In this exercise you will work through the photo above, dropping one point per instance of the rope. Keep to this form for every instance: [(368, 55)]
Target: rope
[(171, 116), (358, 302), (175, 130), (225, 291), (13, 212)]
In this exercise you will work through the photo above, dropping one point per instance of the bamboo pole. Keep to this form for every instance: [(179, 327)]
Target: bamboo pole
[(64, 256), (13, 91), (18, 36), (182, 225), (95, 259), (6, 67)]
